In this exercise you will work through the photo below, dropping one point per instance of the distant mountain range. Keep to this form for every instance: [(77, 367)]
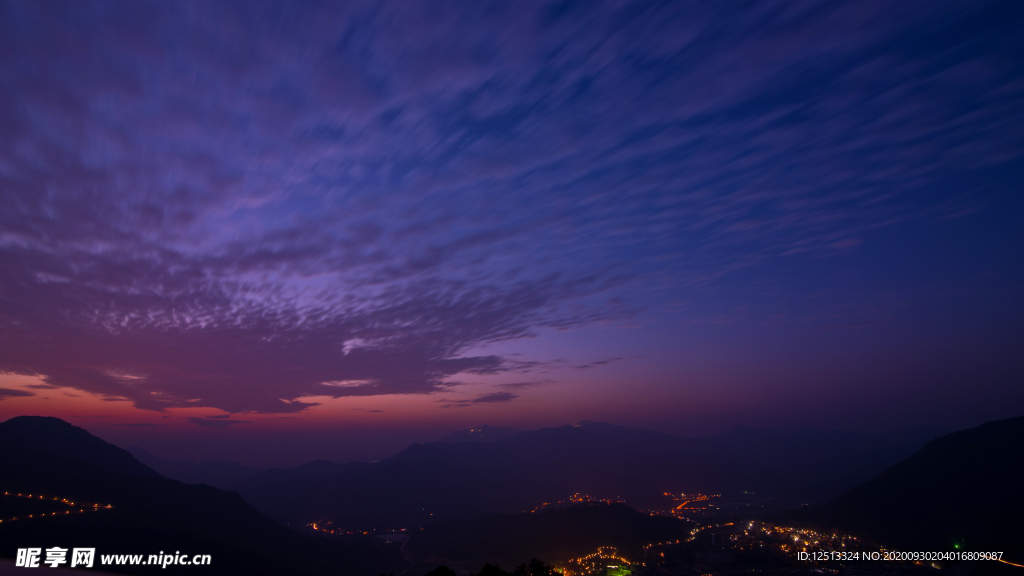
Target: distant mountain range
[(960, 491), (222, 474), (216, 473), (435, 480), (483, 433), (51, 458)]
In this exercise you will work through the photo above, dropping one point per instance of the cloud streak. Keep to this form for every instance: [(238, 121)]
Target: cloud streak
[(232, 206), (492, 398), (205, 423), (12, 393)]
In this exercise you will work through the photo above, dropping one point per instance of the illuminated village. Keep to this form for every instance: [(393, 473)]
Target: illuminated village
[(690, 506), (605, 561), (576, 498), (328, 527), (713, 546), (741, 547), (724, 549)]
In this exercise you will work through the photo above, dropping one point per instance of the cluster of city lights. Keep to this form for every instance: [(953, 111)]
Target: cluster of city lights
[(576, 498), (688, 505), (785, 539), (765, 537), (82, 507), (743, 536), (327, 527), (595, 563)]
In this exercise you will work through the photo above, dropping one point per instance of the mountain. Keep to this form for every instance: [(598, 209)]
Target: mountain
[(218, 473), (555, 535), (435, 480), (150, 514), (483, 433), (58, 438), (959, 491)]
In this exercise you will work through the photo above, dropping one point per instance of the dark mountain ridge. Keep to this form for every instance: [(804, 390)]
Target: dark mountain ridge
[(150, 513), (218, 473), (439, 479), (57, 437), (962, 490)]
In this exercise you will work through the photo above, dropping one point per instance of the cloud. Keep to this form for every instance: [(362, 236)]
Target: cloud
[(363, 193), (495, 397), (521, 385), (589, 365), (12, 393), (492, 398), (205, 423)]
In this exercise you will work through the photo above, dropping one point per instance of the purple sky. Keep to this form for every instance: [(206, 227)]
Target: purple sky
[(294, 230)]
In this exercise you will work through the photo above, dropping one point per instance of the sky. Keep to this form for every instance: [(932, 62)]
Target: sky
[(277, 231)]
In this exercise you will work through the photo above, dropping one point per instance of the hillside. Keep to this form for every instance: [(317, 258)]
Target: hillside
[(216, 473), (962, 490), (149, 514), (556, 535), (435, 480)]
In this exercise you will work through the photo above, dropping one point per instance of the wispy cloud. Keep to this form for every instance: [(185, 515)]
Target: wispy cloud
[(522, 385), (235, 206), (13, 393), (596, 363), (208, 423), (492, 398)]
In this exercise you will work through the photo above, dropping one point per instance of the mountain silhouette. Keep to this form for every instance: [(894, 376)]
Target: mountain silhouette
[(218, 473), (57, 437), (435, 480), (51, 458), (960, 491)]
